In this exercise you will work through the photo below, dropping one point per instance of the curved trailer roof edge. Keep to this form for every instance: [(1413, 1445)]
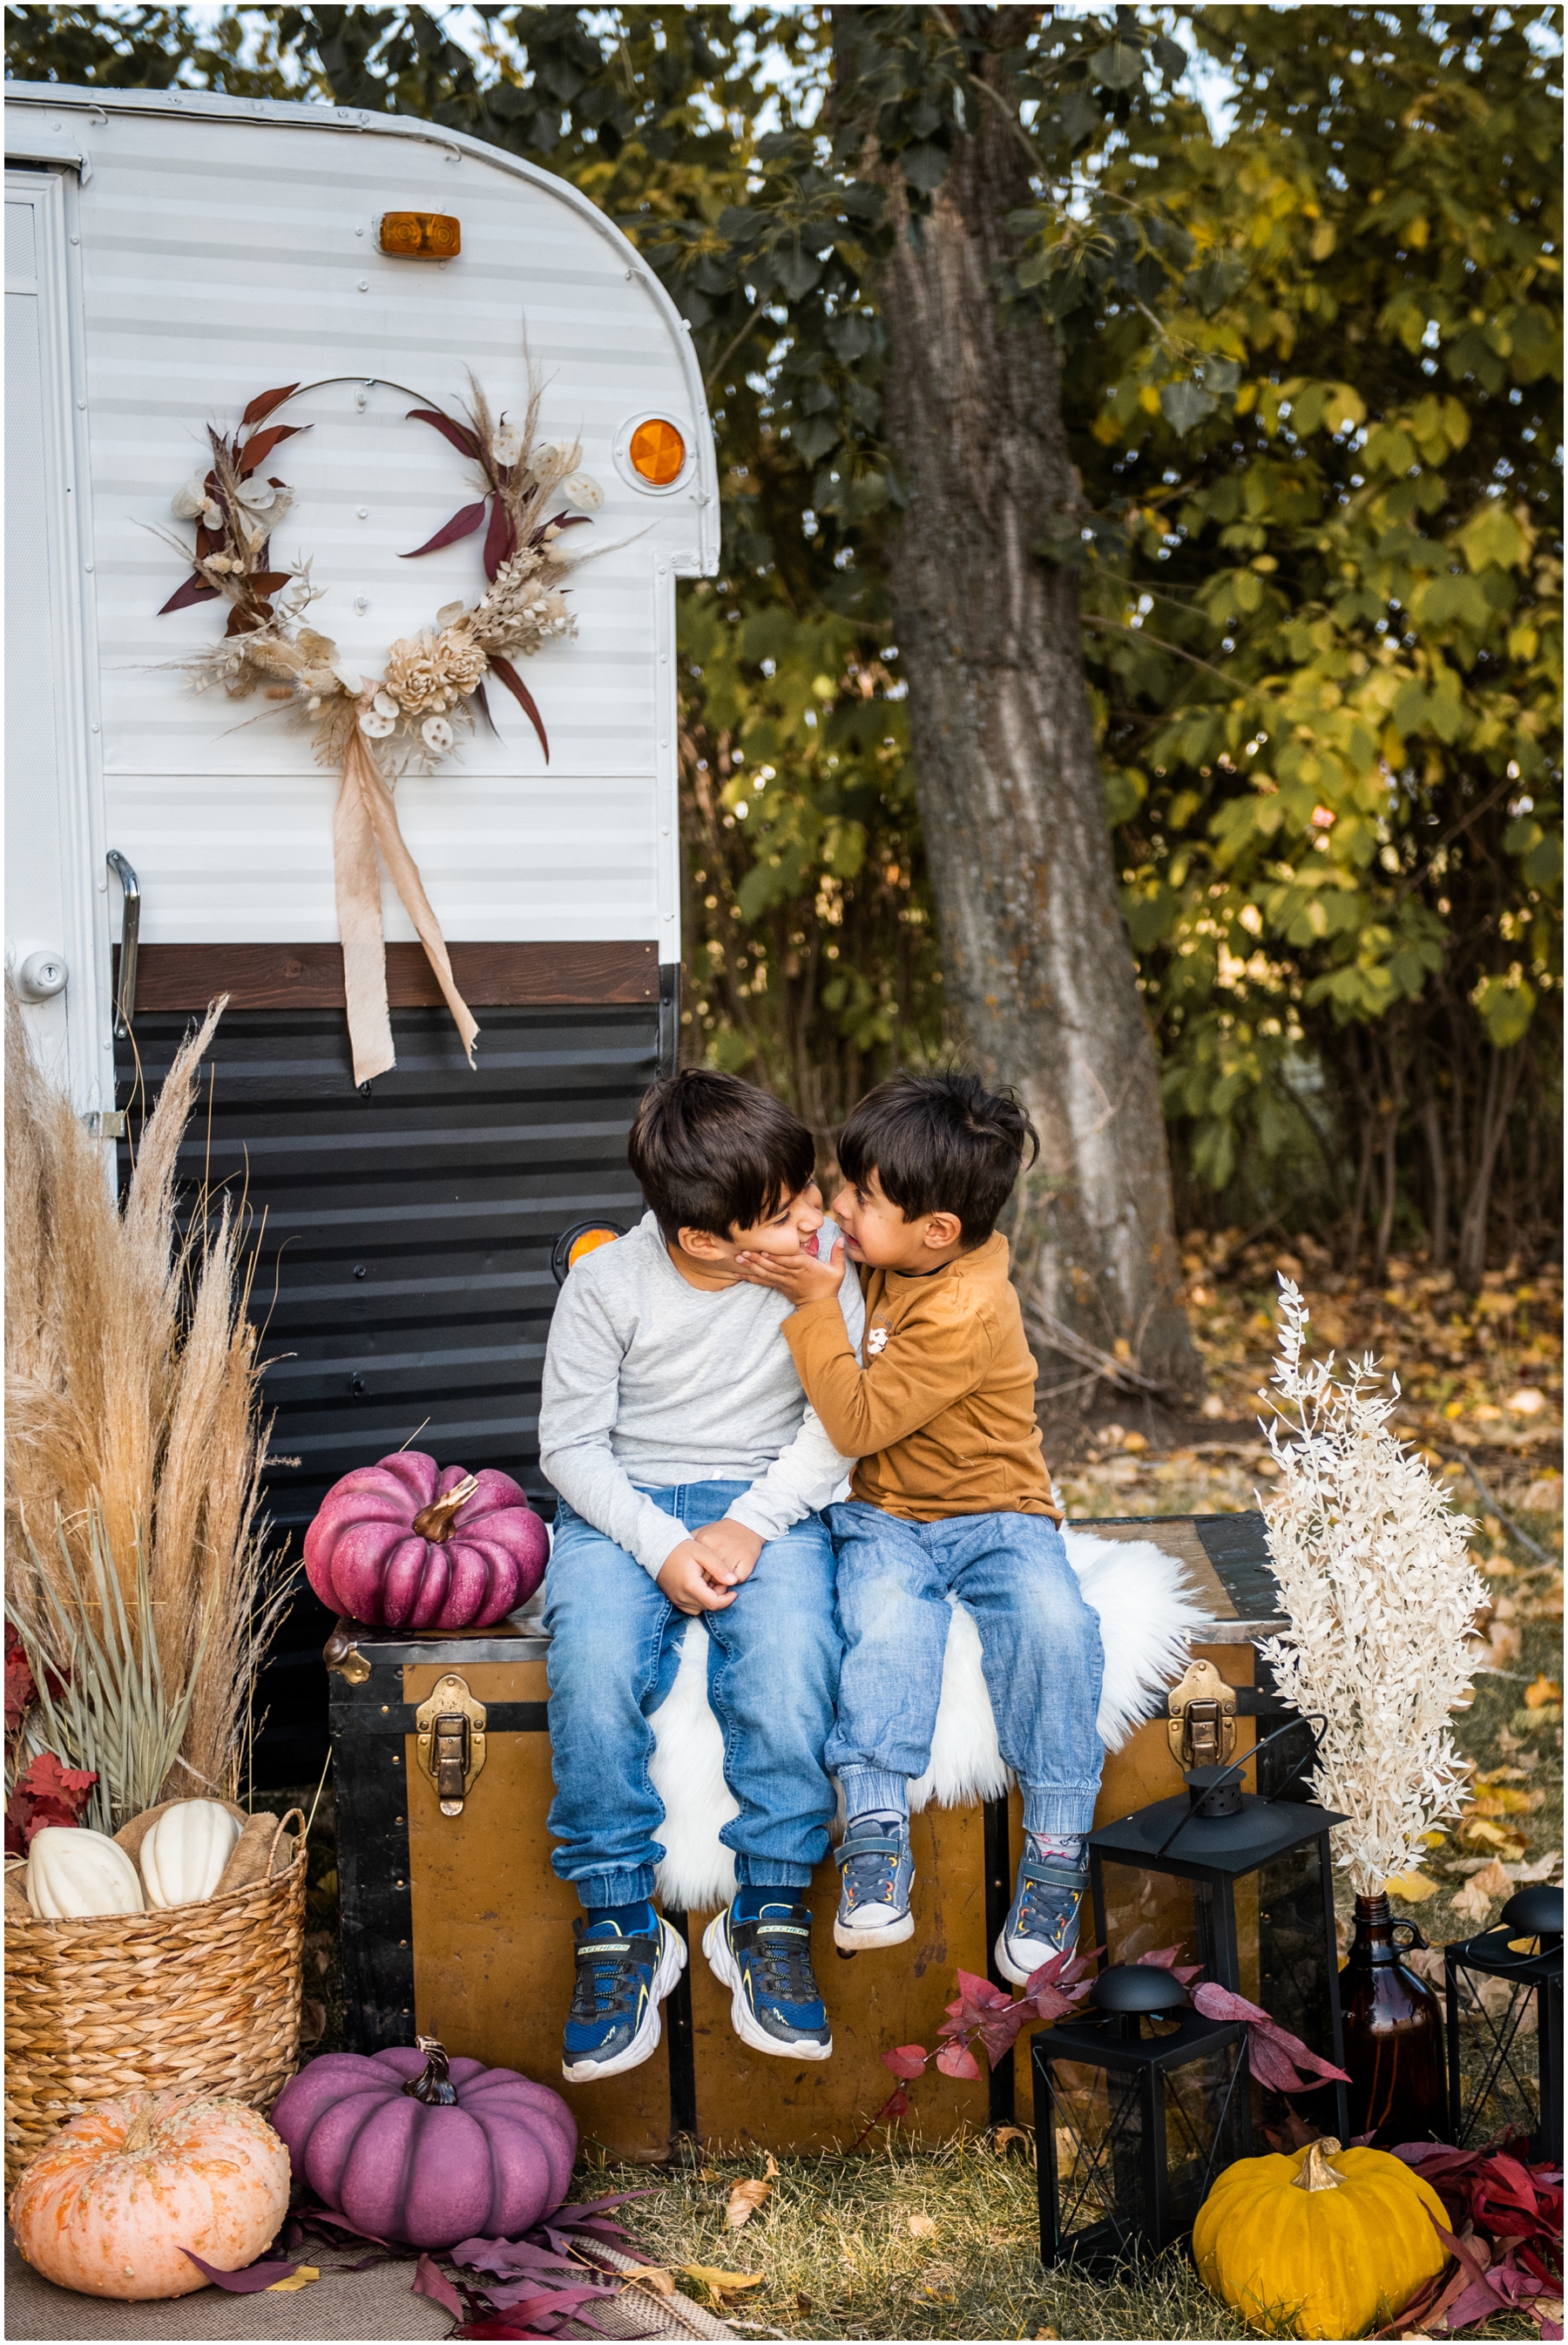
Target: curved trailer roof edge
[(281, 114)]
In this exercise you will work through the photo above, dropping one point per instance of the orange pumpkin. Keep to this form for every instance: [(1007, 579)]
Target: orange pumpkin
[(109, 2206)]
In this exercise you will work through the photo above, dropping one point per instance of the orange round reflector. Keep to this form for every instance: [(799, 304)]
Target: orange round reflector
[(657, 452), (588, 1243)]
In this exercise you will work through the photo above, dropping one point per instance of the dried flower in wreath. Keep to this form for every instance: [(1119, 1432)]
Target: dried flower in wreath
[(373, 728), (1374, 1570)]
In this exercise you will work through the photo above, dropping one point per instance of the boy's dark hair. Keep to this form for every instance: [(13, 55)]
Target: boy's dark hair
[(939, 1144), (714, 1154)]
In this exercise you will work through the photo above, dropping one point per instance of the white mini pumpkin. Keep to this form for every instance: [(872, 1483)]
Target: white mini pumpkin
[(72, 1873), (184, 1854)]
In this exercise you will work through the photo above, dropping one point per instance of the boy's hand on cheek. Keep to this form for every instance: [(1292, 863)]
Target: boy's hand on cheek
[(799, 1277), (696, 1580), (730, 1543)]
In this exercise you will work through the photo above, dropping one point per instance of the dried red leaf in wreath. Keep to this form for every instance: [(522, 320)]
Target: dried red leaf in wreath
[(456, 432), (265, 401), (525, 698), (498, 542), (462, 525), (19, 1687), (262, 443), (195, 590)]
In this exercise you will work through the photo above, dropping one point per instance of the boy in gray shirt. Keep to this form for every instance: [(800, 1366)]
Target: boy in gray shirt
[(691, 1475)]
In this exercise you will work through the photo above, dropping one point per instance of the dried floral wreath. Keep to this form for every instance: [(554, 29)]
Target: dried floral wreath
[(373, 728)]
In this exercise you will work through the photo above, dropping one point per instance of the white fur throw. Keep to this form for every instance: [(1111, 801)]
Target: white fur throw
[(1147, 1614)]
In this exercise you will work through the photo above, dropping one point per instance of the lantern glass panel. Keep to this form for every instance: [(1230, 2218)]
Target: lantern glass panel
[(1098, 2129), (1205, 2131), (1144, 1910)]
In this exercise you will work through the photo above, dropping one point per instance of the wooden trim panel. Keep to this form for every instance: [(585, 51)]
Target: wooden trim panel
[(310, 977)]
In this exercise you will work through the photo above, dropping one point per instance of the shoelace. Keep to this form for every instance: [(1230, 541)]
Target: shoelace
[(607, 1980), (870, 1868), (783, 1953), (1040, 1910)]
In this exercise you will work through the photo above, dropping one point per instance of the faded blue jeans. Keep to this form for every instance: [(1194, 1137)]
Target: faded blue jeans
[(1040, 1643), (772, 1678)]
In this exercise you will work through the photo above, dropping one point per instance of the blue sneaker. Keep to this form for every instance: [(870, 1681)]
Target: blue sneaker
[(623, 1976), (766, 1964), (1043, 1920), (876, 1872)]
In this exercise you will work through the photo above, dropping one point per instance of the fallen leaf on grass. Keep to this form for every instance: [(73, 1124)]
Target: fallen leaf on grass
[(1005, 2134), (1473, 1902), (1543, 1690), (745, 2198), (922, 2227), (1412, 1886), (653, 2276), (719, 2284)]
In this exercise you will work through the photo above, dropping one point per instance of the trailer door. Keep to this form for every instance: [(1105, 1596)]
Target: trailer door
[(56, 938)]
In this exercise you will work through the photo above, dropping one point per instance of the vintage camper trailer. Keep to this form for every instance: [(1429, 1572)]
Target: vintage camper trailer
[(169, 256)]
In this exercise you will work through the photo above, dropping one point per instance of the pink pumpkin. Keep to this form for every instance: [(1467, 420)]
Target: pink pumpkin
[(411, 1545), (410, 2145)]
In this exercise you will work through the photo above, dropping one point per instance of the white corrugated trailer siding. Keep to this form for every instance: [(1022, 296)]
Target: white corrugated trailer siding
[(227, 248)]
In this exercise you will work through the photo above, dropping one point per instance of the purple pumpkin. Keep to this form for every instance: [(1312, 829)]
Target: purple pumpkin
[(409, 1544), (411, 2145)]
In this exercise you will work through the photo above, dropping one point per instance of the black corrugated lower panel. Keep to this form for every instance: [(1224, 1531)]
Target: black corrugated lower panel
[(403, 1243)]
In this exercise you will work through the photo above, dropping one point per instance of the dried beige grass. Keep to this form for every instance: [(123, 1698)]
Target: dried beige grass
[(133, 1405)]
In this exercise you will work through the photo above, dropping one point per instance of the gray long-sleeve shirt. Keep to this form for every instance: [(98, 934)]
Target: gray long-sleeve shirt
[(649, 1380)]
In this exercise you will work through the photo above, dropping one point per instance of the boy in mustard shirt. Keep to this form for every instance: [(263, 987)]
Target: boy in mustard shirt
[(950, 1496)]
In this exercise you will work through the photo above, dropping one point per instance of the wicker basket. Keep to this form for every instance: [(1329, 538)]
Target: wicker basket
[(203, 1997)]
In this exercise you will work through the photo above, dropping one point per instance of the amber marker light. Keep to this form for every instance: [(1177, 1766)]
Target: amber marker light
[(657, 452), (582, 1238), (421, 236)]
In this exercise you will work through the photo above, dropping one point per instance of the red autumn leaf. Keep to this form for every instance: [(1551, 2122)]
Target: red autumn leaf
[(906, 2060), (521, 693), (268, 582), (1273, 2053), (975, 1998), (19, 1687), (265, 402), (896, 2105), (1163, 1959), (457, 433), (45, 1779), (957, 2060), (262, 443), (195, 590), (429, 2281), (248, 2283), (462, 525), (498, 541)]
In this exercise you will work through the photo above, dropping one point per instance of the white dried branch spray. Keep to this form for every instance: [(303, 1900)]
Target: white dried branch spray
[(1374, 1570)]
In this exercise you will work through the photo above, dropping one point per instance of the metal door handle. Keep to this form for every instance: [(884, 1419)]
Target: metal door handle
[(130, 928)]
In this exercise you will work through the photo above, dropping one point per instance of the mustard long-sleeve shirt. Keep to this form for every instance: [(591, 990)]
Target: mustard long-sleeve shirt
[(942, 1416)]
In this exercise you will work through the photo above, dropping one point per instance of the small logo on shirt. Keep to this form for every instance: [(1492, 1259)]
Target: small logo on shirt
[(877, 1340)]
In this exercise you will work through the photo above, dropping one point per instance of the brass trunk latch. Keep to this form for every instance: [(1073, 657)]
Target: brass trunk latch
[(1202, 1726), (451, 1732)]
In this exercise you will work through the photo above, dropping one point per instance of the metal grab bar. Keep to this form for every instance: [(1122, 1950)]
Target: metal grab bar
[(130, 928)]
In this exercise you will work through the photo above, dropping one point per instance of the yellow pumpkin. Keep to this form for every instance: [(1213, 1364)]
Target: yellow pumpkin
[(1322, 2242), (109, 2206)]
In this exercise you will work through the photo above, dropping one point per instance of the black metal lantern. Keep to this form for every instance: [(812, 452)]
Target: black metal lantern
[(1247, 1883), (1136, 2112), (1498, 1983)]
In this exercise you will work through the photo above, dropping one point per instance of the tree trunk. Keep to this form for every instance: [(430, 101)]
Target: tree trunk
[(1039, 971), (1501, 1082)]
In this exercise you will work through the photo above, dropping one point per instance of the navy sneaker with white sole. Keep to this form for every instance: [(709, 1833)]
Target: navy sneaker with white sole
[(623, 1976), (876, 1874), (1042, 1919), (766, 1962)]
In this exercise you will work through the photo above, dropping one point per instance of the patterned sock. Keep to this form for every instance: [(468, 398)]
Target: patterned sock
[(1058, 1848)]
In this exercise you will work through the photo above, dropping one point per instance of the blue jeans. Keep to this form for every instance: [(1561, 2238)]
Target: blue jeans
[(1039, 1640), (772, 1680)]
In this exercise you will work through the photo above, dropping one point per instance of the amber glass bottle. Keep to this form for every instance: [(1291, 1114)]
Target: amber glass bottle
[(1393, 2035)]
